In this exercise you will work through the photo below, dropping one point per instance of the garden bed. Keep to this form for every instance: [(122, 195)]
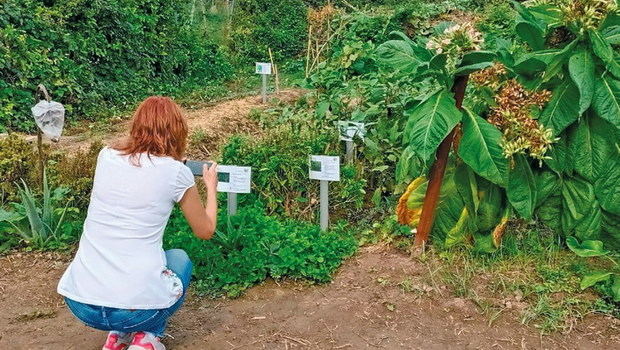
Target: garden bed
[(366, 306)]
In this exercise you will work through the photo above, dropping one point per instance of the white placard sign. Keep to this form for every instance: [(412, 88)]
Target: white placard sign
[(234, 179), (349, 130), (263, 68), (325, 168)]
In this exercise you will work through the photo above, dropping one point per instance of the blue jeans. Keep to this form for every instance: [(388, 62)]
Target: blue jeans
[(122, 320)]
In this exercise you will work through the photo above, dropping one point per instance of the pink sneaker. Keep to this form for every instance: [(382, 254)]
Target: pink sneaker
[(146, 341), (117, 341)]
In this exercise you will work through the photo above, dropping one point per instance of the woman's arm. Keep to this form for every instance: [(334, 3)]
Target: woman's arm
[(201, 219)]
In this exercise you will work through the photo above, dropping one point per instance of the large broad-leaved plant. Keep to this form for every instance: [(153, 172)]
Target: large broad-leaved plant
[(539, 136)]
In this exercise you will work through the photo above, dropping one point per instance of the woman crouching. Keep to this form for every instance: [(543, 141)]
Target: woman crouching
[(121, 280)]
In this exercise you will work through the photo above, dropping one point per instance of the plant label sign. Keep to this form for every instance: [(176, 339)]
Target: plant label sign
[(325, 168), (234, 179), (349, 130), (263, 68)]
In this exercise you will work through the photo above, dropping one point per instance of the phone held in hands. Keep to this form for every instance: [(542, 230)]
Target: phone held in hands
[(196, 166)]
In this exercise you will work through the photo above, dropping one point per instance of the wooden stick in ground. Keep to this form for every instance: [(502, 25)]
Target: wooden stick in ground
[(275, 71), (437, 172), (41, 90), (308, 51)]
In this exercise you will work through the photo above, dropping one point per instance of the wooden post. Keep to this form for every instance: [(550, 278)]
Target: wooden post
[(350, 151), (275, 72), (42, 91), (308, 48), (263, 90), (437, 172)]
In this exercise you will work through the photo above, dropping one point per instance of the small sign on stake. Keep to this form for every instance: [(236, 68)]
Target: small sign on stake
[(230, 179), (325, 169), (264, 69), (233, 180), (348, 131)]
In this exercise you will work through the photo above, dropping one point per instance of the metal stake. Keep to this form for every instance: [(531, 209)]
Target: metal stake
[(350, 146), (232, 204), (324, 199), (264, 88)]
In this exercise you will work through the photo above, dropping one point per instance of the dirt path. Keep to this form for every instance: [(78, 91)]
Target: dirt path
[(214, 122), (363, 307)]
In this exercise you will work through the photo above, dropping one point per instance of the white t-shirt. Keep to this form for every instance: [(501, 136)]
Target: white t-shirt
[(120, 261)]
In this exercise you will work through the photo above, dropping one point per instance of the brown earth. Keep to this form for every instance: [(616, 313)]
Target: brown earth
[(214, 121), (364, 307)]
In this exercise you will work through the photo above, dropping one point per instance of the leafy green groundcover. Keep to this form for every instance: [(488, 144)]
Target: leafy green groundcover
[(251, 246)]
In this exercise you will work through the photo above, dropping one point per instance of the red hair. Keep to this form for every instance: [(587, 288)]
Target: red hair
[(158, 128)]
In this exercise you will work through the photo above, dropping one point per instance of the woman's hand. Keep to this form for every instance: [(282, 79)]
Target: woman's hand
[(209, 176)]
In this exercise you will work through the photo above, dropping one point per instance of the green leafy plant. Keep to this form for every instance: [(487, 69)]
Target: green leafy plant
[(41, 224), (471, 203), (251, 246), (524, 145), (584, 113), (279, 160)]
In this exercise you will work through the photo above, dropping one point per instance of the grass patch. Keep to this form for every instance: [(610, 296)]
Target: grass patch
[(532, 275)]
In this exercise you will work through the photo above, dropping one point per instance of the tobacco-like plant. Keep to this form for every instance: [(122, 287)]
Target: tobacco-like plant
[(538, 137), (471, 204), (578, 189)]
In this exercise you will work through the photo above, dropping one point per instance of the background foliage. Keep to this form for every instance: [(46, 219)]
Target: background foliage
[(99, 56), (259, 25)]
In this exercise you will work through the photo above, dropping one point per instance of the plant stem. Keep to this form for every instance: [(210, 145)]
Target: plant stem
[(437, 171)]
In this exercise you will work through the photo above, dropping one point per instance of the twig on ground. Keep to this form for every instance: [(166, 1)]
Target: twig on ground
[(331, 334), (301, 341), (433, 279), (367, 341), (244, 345)]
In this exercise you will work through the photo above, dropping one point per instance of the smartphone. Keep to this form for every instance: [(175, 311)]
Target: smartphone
[(196, 166)]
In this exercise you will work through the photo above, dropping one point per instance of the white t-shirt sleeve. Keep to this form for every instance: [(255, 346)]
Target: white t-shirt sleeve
[(185, 180)]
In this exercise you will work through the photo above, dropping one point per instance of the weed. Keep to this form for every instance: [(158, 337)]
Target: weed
[(42, 224), (530, 275), (252, 246)]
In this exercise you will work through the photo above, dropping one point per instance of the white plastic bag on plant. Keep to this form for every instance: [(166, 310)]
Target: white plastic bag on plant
[(50, 118)]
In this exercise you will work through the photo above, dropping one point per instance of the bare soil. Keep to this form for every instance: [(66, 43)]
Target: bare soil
[(216, 121), (364, 307)]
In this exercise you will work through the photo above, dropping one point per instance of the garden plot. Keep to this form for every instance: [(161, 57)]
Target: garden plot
[(379, 299), (478, 210)]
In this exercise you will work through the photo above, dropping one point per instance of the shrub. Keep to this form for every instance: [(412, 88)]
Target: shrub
[(279, 24), (250, 247), (76, 172), (17, 158), (73, 171), (279, 161), (98, 56)]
